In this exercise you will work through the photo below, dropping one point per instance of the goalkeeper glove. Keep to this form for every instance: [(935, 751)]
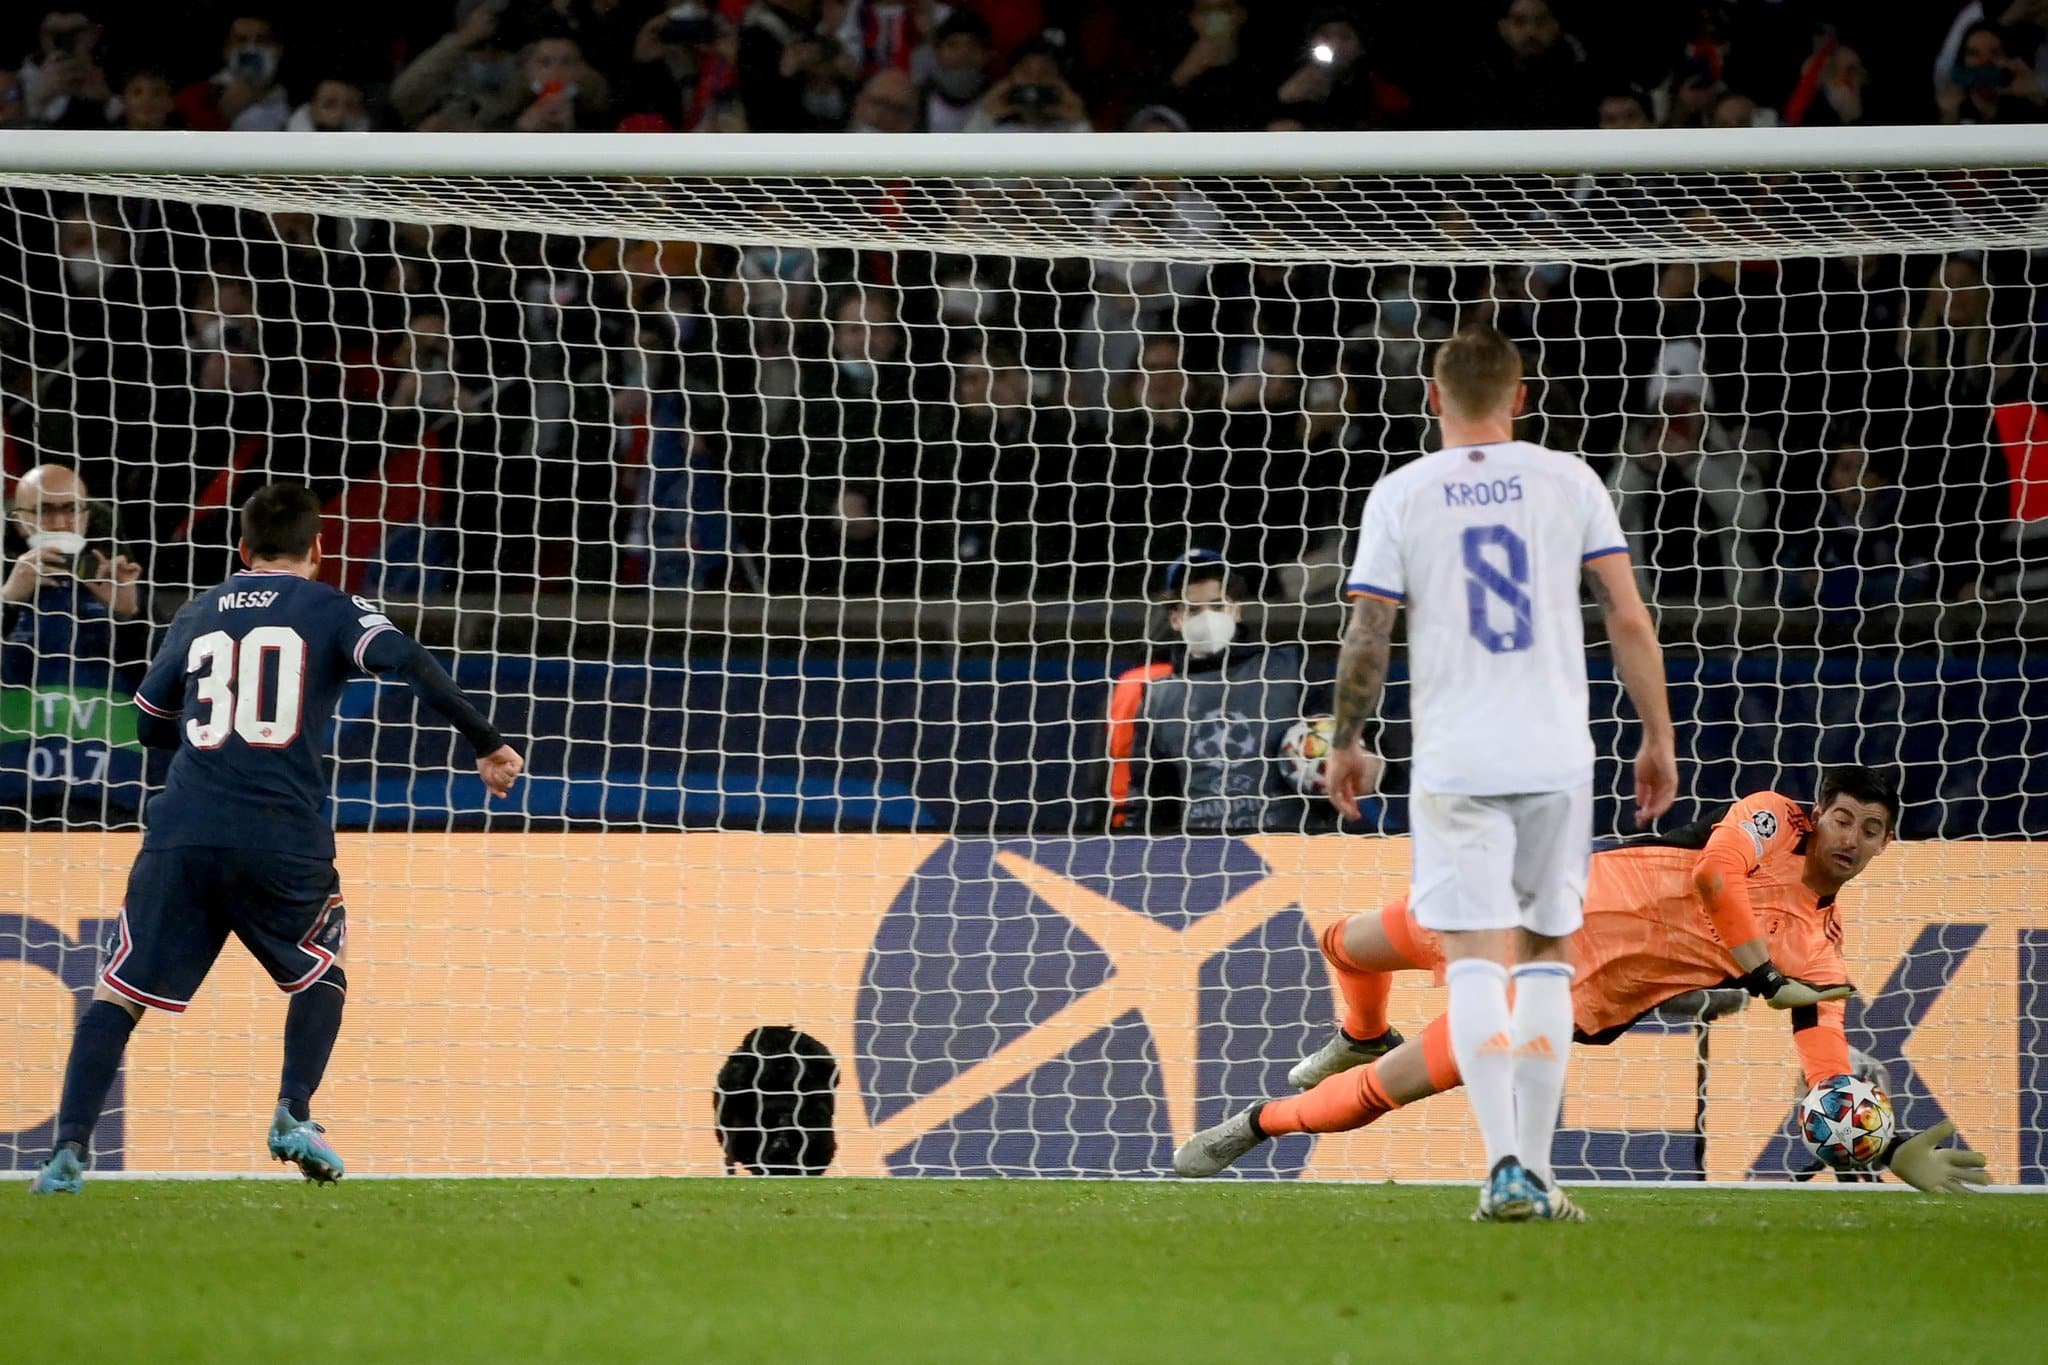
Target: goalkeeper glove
[(1922, 1162), (1781, 992)]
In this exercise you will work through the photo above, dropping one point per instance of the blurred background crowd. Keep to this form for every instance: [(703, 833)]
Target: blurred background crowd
[(505, 412)]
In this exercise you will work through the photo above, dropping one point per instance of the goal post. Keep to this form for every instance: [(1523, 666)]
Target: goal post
[(808, 506)]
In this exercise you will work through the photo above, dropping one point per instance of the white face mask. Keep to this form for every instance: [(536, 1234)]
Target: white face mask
[(87, 270), (63, 542), (1208, 633)]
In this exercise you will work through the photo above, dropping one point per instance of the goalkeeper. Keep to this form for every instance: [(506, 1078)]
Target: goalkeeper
[(1764, 879)]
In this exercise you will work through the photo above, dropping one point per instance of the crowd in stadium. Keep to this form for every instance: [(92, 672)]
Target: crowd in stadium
[(1781, 432)]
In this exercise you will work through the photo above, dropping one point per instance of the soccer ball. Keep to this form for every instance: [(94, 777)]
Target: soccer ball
[(1303, 749), (1846, 1121)]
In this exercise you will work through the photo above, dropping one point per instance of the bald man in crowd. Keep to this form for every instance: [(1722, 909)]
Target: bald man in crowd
[(74, 642), (51, 507)]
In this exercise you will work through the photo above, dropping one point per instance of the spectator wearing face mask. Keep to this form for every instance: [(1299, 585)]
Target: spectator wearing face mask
[(244, 95), (336, 107), (959, 58), (74, 641), (110, 312), (1191, 738), (468, 80), (792, 76)]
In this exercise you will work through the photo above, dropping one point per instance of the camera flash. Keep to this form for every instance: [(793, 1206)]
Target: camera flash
[(1323, 53)]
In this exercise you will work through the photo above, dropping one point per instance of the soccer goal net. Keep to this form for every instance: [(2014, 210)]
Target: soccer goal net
[(839, 525)]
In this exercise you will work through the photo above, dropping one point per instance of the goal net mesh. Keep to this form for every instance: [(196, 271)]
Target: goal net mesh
[(815, 539)]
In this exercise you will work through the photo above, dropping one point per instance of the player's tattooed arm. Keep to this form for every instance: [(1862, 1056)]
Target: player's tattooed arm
[(1597, 586), (1362, 666)]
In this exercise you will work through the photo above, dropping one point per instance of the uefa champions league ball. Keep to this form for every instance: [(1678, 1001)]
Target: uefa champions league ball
[(1303, 750), (1846, 1122)]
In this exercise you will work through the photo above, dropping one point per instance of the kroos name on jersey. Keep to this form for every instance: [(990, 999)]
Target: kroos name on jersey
[(1486, 493)]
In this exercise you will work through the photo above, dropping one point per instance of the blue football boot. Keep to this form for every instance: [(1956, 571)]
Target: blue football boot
[(63, 1173), (304, 1144), (1510, 1195)]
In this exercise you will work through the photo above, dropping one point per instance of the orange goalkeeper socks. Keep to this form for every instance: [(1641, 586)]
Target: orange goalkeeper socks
[(1350, 1099), (1365, 993)]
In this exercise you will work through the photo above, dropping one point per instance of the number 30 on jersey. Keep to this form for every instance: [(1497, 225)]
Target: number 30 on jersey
[(230, 686)]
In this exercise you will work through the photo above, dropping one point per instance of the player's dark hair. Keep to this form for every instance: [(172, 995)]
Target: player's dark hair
[(281, 521), (1867, 785)]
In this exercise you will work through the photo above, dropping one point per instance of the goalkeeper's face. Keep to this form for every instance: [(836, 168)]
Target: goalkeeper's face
[(1847, 834)]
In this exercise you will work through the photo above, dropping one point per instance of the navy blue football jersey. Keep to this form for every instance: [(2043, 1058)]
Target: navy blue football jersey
[(252, 670)]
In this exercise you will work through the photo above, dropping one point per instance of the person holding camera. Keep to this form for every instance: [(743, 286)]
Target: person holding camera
[(1034, 98), (244, 95), (63, 85), (59, 571), (679, 77), (74, 642), (1987, 84)]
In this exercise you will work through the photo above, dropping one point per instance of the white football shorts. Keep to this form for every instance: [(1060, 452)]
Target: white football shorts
[(1501, 862)]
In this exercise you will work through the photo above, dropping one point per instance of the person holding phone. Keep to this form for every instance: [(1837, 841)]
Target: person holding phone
[(50, 512), (1335, 86), (1989, 85), (74, 641)]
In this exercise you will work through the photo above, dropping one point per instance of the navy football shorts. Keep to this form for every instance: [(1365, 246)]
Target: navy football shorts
[(183, 903)]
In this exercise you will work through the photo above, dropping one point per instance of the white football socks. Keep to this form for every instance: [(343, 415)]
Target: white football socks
[(1482, 1041), (1542, 1036)]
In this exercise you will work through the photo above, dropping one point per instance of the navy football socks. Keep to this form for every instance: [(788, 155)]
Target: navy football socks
[(95, 1060), (311, 1024)]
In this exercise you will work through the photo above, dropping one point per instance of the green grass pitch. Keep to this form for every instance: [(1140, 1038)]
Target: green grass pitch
[(913, 1270)]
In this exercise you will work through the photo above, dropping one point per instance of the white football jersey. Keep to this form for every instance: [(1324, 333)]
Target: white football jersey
[(1484, 546)]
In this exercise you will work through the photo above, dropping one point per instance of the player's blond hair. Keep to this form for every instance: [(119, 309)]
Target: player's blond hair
[(1477, 372)]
